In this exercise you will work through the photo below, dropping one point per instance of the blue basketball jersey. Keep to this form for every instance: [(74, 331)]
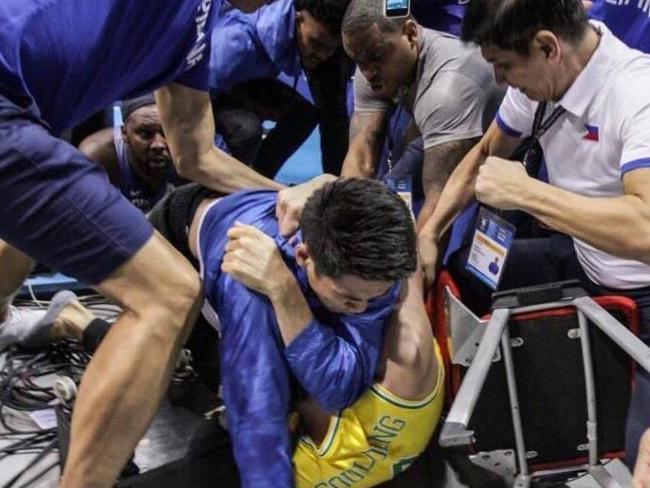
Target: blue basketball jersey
[(67, 59)]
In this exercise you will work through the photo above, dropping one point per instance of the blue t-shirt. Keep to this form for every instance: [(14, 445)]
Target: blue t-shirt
[(629, 22), (67, 59), (442, 15), (334, 358), (253, 46)]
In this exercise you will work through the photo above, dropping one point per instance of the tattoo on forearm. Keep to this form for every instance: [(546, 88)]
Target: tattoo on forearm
[(440, 161)]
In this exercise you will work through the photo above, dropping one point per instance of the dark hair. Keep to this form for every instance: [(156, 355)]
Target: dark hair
[(362, 14), (131, 105), (359, 227), (327, 12), (512, 24)]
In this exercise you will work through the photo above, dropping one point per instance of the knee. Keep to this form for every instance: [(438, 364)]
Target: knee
[(172, 302), (181, 296)]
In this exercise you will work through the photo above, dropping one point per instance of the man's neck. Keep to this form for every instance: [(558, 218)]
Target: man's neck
[(577, 59)]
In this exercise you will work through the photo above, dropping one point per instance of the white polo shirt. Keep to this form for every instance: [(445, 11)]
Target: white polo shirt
[(604, 133)]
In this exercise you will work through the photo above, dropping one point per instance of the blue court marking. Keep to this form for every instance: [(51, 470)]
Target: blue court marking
[(304, 164)]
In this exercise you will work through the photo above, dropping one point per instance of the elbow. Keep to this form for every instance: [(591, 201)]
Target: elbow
[(185, 169), (641, 246)]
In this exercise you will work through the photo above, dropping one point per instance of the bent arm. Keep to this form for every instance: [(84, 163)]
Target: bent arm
[(619, 225), (366, 137), (334, 366), (187, 120), (100, 148), (439, 163), (459, 189)]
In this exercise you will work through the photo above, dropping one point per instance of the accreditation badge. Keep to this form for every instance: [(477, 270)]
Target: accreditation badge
[(492, 241)]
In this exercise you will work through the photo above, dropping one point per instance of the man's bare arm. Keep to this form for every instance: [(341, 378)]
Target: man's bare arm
[(366, 137), (616, 225), (411, 364), (439, 163), (100, 148), (187, 120), (457, 193)]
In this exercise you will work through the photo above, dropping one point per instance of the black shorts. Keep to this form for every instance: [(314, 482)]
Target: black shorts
[(172, 216)]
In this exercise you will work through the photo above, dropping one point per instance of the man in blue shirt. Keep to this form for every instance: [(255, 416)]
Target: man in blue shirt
[(61, 61), (441, 15), (629, 21), (311, 309), (283, 37), (135, 154), (321, 317)]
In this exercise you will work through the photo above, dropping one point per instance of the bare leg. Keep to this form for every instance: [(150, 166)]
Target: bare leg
[(15, 267), (642, 468), (122, 387)]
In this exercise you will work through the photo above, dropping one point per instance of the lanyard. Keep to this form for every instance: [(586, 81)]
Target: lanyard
[(395, 115), (540, 127)]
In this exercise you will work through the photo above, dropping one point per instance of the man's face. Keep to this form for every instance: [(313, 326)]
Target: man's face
[(315, 42), (386, 59), (347, 294), (143, 134), (533, 75)]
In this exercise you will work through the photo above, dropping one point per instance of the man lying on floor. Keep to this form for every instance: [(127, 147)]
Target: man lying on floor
[(313, 310)]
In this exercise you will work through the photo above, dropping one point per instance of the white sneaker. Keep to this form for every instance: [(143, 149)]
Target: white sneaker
[(19, 324)]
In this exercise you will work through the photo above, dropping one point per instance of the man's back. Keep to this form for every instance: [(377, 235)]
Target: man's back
[(450, 72), (73, 57), (254, 46)]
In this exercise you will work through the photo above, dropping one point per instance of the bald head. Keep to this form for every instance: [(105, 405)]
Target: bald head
[(362, 14)]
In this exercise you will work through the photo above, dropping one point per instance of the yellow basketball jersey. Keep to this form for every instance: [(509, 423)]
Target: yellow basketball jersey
[(370, 442)]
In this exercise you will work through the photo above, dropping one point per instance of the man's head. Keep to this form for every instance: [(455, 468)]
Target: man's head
[(358, 240), (143, 134), (529, 42), (386, 50), (318, 29)]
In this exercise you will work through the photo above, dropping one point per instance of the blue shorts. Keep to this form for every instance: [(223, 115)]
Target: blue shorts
[(57, 206)]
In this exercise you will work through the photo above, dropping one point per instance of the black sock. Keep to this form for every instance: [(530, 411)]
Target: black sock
[(94, 334)]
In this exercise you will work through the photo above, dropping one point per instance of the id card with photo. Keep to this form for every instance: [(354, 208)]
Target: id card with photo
[(403, 186), (492, 241)]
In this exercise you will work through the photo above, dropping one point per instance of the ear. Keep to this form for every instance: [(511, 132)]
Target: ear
[(410, 30), (302, 254), (300, 17), (123, 129), (548, 44)]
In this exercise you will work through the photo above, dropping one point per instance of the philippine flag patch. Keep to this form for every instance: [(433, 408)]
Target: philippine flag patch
[(592, 133)]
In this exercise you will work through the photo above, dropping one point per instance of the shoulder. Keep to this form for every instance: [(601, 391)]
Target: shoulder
[(100, 148)]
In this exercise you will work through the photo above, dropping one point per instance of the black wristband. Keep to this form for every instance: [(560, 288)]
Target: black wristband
[(94, 334)]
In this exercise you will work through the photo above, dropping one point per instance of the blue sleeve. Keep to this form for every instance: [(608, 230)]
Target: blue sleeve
[(237, 54), (336, 366), (255, 381), (198, 58)]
